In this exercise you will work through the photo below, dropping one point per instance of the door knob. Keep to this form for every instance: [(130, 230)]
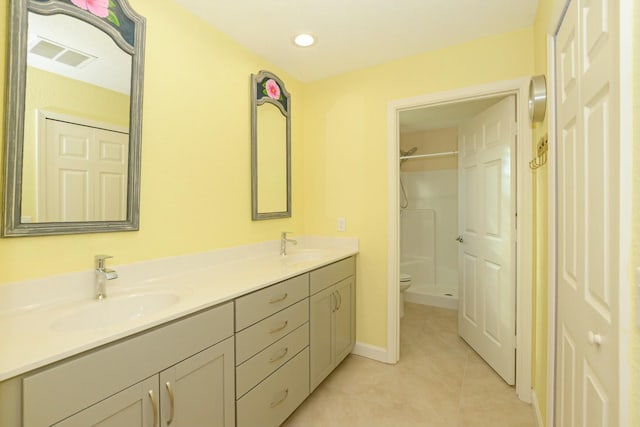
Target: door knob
[(594, 338), (460, 239)]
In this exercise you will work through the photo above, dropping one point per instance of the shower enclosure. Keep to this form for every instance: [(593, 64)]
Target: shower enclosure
[(428, 228)]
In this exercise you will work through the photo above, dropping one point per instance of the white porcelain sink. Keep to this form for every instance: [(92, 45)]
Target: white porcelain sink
[(111, 311), (304, 255)]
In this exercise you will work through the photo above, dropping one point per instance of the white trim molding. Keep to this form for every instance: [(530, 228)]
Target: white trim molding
[(536, 409), (519, 88), (551, 228), (370, 352)]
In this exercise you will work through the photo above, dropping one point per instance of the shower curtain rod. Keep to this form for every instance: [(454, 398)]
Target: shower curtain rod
[(421, 156)]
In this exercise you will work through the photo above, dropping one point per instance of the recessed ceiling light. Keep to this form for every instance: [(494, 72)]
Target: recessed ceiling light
[(304, 40)]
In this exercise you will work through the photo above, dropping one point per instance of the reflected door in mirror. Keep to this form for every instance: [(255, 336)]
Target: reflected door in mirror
[(72, 172), (83, 175)]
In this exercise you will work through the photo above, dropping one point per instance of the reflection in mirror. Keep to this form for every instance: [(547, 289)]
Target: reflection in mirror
[(272, 159), (74, 167), (72, 141), (270, 147)]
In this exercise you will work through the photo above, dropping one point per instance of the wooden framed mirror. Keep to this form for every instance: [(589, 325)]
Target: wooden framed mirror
[(73, 117), (270, 147)]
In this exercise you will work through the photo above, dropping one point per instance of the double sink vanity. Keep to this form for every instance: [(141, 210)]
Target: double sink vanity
[(236, 337)]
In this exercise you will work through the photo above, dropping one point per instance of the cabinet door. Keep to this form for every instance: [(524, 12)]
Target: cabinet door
[(344, 325), (321, 345), (132, 407), (200, 390)]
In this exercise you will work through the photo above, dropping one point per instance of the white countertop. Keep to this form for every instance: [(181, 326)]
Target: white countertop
[(28, 310)]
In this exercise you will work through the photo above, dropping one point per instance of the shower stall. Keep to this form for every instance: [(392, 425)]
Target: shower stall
[(429, 227)]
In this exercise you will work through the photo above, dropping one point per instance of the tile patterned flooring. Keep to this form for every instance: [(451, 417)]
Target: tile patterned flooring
[(439, 382)]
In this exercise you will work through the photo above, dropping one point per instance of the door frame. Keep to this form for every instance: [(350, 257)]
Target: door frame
[(626, 17), (524, 233)]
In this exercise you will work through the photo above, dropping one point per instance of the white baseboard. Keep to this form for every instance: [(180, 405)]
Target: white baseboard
[(371, 352), (536, 409)]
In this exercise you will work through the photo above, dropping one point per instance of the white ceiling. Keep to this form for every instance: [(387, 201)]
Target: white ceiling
[(354, 34)]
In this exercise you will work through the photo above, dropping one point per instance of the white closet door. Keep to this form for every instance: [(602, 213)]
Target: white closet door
[(587, 211), (486, 312), (85, 174)]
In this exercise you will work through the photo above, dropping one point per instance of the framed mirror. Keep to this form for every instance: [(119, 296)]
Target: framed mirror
[(270, 147), (73, 117)]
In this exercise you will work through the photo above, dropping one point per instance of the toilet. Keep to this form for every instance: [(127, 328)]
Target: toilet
[(405, 282)]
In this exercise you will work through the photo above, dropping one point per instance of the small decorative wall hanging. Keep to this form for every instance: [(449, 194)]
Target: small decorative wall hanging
[(541, 159)]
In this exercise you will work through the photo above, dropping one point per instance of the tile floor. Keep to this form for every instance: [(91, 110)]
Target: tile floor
[(439, 382)]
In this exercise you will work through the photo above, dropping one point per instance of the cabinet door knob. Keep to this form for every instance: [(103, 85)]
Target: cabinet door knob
[(460, 239), (171, 402), (154, 404), (595, 339)]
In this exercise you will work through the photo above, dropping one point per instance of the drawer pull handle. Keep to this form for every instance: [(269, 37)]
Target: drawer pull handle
[(280, 356), (154, 404), (279, 299), (171, 402), (278, 329), (282, 399)]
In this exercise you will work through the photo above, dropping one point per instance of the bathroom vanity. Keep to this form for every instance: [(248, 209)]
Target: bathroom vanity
[(246, 358)]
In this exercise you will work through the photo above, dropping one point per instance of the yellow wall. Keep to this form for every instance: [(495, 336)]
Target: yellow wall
[(345, 148), (195, 153), (53, 92), (634, 338), (541, 230)]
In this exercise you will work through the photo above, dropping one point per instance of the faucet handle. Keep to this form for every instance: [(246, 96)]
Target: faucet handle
[(284, 234), (100, 261)]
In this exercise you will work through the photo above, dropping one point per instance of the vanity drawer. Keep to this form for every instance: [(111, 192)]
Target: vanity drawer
[(274, 399), (330, 274), (271, 358), (256, 306), (259, 336)]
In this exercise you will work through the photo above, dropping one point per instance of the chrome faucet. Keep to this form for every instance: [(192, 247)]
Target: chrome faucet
[(284, 241), (102, 275)]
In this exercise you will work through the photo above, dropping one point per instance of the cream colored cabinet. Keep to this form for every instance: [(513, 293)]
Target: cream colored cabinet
[(132, 407), (272, 352), (195, 392), (124, 384), (199, 391), (331, 318)]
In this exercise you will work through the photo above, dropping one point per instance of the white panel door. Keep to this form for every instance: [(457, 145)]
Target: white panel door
[(486, 312), (587, 212), (85, 174)]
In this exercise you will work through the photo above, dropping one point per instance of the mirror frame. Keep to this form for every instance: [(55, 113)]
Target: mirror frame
[(15, 114), (256, 100)]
